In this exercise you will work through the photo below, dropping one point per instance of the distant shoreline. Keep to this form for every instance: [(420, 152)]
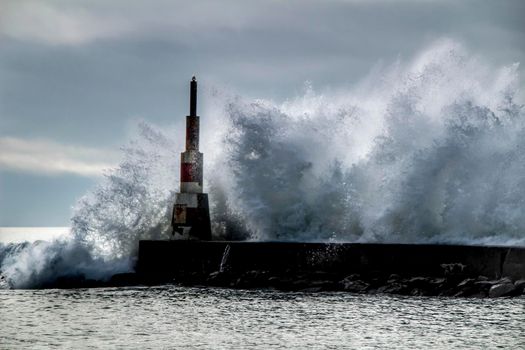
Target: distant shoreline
[(31, 234)]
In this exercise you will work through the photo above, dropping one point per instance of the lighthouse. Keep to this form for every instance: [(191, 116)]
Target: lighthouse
[(191, 214)]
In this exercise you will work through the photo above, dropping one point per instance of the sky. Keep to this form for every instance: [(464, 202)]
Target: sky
[(75, 76)]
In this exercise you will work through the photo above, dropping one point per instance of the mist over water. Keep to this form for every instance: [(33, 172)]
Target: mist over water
[(426, 151)]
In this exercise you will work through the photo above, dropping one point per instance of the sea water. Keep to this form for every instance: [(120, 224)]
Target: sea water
[(170, 317)]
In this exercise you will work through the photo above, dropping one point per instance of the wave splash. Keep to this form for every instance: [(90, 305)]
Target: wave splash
[(427, 151)]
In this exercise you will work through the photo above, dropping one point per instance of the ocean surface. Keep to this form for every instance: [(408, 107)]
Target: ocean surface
[(171, 317)]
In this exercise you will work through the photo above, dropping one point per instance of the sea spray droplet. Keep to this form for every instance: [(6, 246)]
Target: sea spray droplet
[(433, 155), (132, 202), (427, 151)]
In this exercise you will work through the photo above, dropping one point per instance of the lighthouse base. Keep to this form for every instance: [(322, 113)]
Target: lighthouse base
[(191, 217)]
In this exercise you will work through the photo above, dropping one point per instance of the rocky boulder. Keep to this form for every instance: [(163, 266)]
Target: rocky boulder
[(501, 289), (520, 286), (349, 284)]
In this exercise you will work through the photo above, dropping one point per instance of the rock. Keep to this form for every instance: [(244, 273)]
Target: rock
[(464, 293), (218, 279), (504, 280), (435, 286), (324, 284), (470, 287), (214, 275), (484, 286), (466, 283), (438, 282), (418, 282), (354, 286), (252, 279), (453, 269), (376, 282), (273, 279), (520, 286), (353, 277), (394, 276), (300, 284), (419, 286), (417, 292), (394, 288), (501, 290), (283, 283), (447, 292)]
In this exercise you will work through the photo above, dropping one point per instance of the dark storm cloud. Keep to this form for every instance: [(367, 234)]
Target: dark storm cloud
[(77, 72)]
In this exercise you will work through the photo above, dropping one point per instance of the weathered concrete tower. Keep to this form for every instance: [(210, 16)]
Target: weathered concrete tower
[(191, 214)]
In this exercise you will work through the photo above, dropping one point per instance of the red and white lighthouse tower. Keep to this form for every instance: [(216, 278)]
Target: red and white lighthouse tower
[(191, 214)]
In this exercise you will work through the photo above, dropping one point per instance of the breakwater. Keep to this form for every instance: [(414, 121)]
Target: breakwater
[(453, 270)]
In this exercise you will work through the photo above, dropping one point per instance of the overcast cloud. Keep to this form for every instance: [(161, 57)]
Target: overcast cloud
[(74, 75), (51, 158)]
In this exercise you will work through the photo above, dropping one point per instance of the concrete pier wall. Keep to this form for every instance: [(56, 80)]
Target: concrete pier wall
[(166, 259)]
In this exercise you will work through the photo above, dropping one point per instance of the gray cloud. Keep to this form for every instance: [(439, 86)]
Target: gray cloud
[(47, 157), (44, 22)]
